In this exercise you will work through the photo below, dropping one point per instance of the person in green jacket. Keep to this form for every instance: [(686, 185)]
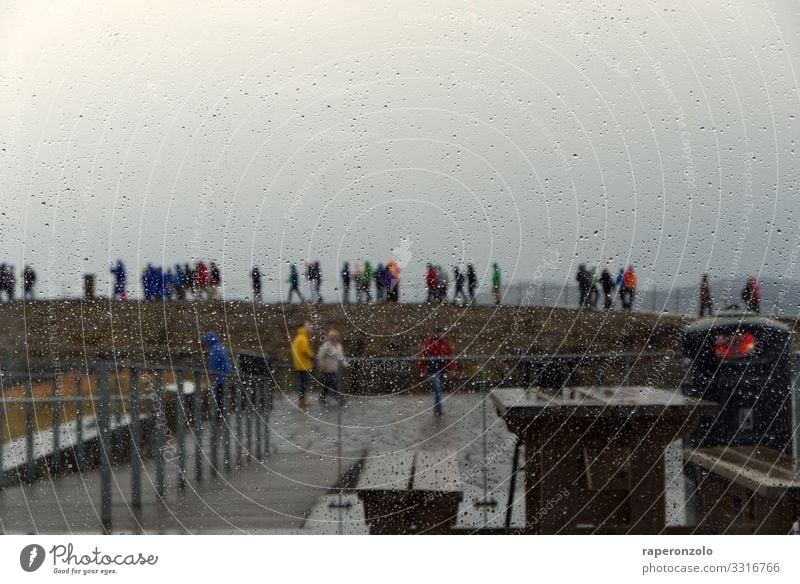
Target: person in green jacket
[(367, 281), (496, 281)]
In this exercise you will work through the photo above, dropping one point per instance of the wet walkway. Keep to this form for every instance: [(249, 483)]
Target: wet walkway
[(292, 489)]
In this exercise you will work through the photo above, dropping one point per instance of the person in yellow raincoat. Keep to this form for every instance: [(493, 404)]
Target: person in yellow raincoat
[(303, 362)]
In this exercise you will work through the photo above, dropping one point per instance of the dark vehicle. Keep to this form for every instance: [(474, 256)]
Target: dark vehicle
[(742, 362)]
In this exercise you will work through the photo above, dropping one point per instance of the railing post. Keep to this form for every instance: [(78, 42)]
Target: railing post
[(258, 392), (796, 417), (248, 395), (198, 427), (226, 427), (56, 421), (29, 469), (2, 425), (105, 458), (267, 405), (78, 450), (237, 403), (160, 433), (216, 421), (136, 441), (180, 429), (118, 418)]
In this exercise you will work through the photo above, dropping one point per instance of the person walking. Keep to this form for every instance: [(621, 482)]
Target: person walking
[(380, 281), (255, 277), (436, 359), (706, 303), (584, 281), (179, 281), (120, 280), (218, 368), (751, 295), (302, 362), (497, 280), (431, 283), (203, 280), (629, 281), (294, 284), (472, 282), (330, 360), (357, 277), (458, 277), (28, 282), (366, 281), (607, 284), (346, 282), (594, 293), (215, 281), (393, 294)]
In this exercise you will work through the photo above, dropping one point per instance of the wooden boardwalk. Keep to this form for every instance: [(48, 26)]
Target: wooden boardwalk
[(254, 498)]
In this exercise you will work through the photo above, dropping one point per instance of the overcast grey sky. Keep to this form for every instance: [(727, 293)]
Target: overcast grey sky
[(658, 133)]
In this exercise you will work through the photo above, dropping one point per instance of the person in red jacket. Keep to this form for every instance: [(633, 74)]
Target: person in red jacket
[(431, 283), (203, 280), (436, 358)]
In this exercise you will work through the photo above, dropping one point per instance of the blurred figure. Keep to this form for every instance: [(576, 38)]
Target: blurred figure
[(366, 281), (458, 278), (346, 282), (357, 276), (8, 281), (218, 367), (393, 294), (444, 284), (629, 281), (203, 280), (330, 360), (472, 282), (179, 282), (302, 362), (751, 295), (255, 277), (28, 282), (706, 302), (380, 281), (313, 282), (436, 359), (294, 284), (594, 293), (584, 280), (215, 281), (607, 283), (497, 280), (620, 282), (431, 283)]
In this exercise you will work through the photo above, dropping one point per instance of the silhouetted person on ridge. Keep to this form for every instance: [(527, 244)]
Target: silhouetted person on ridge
[(472, 282), (706, 303), (294, 284), (255, 278)]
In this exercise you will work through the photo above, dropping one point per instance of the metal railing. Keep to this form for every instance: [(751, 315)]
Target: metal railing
[(126, 413)]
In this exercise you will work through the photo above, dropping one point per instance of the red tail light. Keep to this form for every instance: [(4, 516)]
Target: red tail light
[(734, 346)]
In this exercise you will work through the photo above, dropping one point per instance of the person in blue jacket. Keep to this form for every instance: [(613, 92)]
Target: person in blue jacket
[(120, 278), (218, 368)]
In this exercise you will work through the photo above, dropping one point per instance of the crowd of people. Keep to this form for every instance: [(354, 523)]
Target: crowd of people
[(361, 278), (203, 281), (437, 284), (590, 284)]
